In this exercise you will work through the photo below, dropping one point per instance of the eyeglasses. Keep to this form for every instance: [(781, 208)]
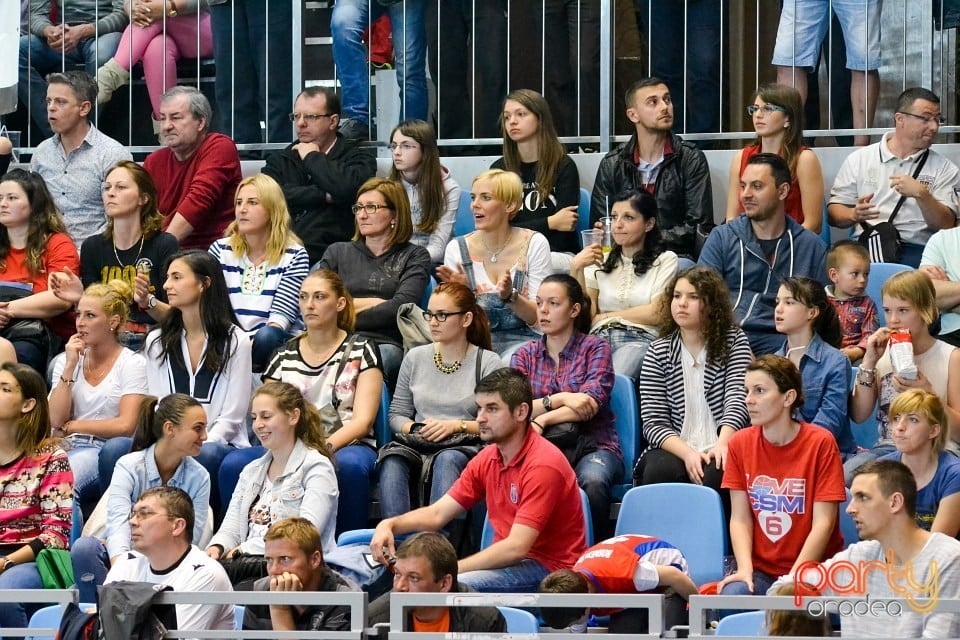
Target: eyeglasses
[(441, 316), (143, 514), (310, 117), (767, 109), (938, 120), (370, 209), (403, 146)]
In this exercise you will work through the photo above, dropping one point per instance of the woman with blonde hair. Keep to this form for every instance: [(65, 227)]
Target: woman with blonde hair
[(380, 267), (502, 264), (551, 183), (777, 113), (433, 193), (338, 372), (263, 264), (98, 384), (910, 303), (918, 423), (295, 477)]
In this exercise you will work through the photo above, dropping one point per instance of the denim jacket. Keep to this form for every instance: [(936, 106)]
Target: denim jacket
[(135, 473), (307, 486)]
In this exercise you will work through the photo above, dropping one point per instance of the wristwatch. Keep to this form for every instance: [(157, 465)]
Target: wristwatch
[(547, 403), (463, 426), (514, 294), (172, 13), (152, 301), (6, 563)]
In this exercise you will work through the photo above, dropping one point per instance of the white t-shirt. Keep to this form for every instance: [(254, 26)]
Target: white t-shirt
[(102, 402), (623, 289), (196, 571)]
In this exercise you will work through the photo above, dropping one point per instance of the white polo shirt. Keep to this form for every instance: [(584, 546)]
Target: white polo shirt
[(868, 170)]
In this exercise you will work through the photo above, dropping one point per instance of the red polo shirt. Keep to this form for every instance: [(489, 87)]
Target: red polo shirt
[(537, 489)]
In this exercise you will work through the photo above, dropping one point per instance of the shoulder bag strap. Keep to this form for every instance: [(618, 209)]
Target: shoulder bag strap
[(334, 400), (467, 262), (479, 363), (916, 172)]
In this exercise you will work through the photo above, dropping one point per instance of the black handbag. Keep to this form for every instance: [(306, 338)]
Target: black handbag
[(32, 330), (882, 239)]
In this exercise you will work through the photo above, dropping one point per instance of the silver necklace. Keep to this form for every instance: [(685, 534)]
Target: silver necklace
[(136, 260), (494, 255)]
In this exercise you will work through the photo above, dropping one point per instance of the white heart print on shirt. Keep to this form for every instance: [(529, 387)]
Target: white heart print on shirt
[(775, 524)]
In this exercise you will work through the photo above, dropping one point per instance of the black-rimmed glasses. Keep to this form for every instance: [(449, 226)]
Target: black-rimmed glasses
[(441, 316)]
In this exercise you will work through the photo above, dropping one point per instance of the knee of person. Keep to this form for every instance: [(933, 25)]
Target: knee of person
[(85, 546), (347, 17)]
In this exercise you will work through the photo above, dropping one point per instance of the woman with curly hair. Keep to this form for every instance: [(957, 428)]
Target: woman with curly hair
[(625, 289), (551, 183), (809, 320), (131, 245), (433, 193), (36, 486), (777, 113), (692, 383), (33, 244)]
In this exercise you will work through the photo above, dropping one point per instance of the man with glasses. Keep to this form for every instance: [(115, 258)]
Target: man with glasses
[(320, 172), (901, 174), (161, 529)]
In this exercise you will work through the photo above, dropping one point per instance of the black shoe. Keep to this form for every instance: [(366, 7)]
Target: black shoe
[(354, 129)]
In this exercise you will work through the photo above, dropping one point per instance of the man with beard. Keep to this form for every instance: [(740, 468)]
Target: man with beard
[(662, 164), (755, 251)]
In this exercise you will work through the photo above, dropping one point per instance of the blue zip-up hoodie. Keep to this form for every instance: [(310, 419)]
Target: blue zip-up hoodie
[(733, 251)]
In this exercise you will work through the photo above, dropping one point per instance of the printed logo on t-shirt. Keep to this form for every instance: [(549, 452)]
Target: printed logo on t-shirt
[(774, 501)]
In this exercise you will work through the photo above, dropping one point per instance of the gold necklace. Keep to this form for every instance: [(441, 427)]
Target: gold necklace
[(444, 368), (135, 260), (494, 255)]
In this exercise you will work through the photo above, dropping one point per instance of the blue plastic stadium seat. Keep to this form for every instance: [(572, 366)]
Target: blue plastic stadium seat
[(848, 528), (238, 611), (583, 211), (688, 516), (623, 405), (381, 426), (749, 623), (519, 621), (425, 300), (464, 221)]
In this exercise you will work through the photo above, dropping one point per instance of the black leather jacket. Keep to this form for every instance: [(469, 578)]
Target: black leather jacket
[(683, 193)]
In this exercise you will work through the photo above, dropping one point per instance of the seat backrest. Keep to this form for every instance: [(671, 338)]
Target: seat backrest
[(519, 621), (583, 211), (47, 617), (463, 224), (381, 426), (880, 272), (356, 536), (486, 536), (623, 405), (848, 528), (748, 623), (238, 611), (425, 300), (76, 527), (688, 516), (864, 433)]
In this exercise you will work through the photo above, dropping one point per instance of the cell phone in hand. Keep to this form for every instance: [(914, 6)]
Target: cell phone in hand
[(416, 427)]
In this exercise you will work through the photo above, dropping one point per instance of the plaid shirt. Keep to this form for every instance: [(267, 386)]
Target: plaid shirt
[(858, 318), (586, 366)]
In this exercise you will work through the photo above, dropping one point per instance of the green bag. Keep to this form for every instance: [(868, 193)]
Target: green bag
[(56, 570)]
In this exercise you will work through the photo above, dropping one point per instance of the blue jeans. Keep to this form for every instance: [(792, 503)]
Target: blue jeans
[(761, 584), (349, 19), (211, 455), (629, 347), (596, 473), (37, 60), (90, 566), (111, 451), (265, 342), (395, 481), (702, 58), (21, 576), (256, 84), (863, 457), (355, 464), (84, 457), (391, 356), (571, 59), (519, 578)]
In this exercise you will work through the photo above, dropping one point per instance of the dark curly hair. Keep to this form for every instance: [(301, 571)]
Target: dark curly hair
[(716, 316), (646, 206)]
